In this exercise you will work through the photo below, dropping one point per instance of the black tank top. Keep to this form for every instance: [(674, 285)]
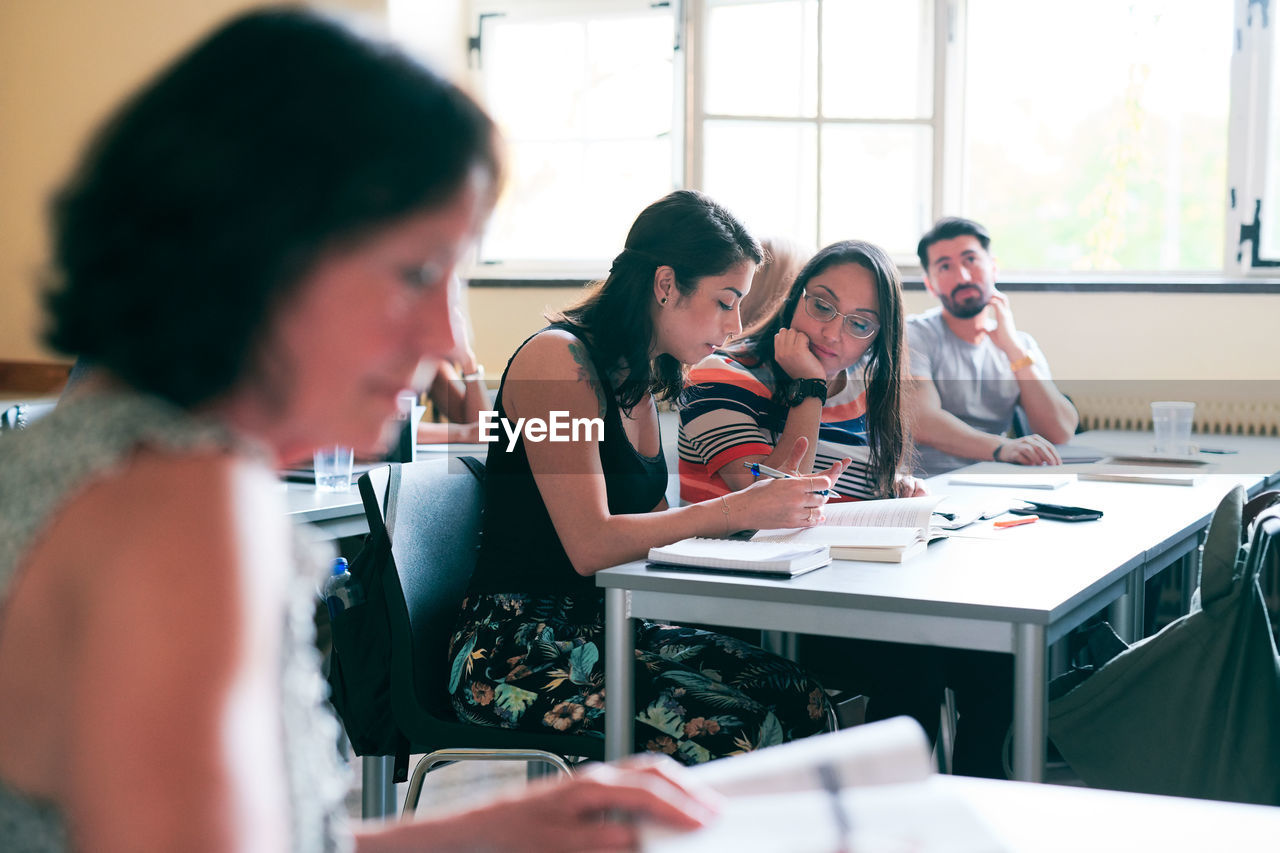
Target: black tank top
[(519, 548)]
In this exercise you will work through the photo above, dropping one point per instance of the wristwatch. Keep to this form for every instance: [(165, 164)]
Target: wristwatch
[(806, 388)]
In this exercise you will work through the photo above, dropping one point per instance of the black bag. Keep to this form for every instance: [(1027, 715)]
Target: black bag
[(1193, 710), (360, 667)]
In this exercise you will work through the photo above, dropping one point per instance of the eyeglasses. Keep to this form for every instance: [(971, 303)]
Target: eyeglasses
[(858, 324)]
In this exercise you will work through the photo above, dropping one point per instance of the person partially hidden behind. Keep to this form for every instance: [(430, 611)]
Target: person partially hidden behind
[(458, 393), (970, 366)]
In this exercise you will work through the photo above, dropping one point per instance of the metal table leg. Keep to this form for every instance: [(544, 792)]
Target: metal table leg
[(377, 791), (782, 643), (619, 672), (1030, 702)]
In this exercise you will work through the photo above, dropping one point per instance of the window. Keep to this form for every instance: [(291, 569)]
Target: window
[(788, 120), (1095, 133), (586, 96), (1095, 136)]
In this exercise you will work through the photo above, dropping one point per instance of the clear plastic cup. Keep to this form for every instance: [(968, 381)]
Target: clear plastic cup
[(1172, 424), (333, 468)]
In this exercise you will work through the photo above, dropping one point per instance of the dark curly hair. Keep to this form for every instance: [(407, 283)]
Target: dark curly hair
[(214, 189), (886, 428), (684, 230)]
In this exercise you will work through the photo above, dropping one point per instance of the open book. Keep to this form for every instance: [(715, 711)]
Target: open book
[(869, 788), (887, 531), (740, 557)]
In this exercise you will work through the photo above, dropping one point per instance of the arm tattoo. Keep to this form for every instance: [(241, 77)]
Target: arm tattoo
[(587, 373)]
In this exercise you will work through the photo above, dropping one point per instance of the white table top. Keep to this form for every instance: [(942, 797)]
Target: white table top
[(1050, 818), (1033, 574), (337, 515)]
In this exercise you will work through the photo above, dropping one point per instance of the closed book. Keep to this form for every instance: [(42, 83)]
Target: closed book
[(740, 557)]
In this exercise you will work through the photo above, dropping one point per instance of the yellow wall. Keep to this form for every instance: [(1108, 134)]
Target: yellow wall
[(64, 63)]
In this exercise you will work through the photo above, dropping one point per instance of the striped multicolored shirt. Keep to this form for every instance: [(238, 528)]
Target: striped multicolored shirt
[(727, 412)]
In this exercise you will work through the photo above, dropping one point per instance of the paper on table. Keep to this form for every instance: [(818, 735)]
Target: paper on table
[(1163, 479), (1153, 458), (1014, 481)]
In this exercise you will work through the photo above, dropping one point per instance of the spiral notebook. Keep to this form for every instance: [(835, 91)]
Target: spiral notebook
[(738, 556)]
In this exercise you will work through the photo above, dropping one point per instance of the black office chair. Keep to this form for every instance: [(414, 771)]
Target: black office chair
[(435, 535)]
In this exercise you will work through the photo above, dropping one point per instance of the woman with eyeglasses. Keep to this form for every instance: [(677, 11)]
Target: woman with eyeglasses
[(827, 367)]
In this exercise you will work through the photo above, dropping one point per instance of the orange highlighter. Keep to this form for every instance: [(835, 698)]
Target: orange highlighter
[(1014, 522)]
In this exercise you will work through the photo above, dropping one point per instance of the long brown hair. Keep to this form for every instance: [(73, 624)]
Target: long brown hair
[(684, 230), (886, 427)]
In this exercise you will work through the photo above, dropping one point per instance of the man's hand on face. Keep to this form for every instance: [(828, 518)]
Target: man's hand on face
[(1004, 334)]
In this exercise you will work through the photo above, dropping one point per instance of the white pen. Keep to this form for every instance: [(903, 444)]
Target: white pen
[(765, 471)]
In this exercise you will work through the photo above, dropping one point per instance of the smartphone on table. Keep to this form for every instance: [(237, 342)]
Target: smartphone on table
[(1057, 512)]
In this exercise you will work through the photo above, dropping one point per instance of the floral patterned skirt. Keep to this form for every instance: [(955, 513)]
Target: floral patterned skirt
[(537, 663)]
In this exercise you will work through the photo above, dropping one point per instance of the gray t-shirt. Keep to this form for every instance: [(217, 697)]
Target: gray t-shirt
[(974, 381)]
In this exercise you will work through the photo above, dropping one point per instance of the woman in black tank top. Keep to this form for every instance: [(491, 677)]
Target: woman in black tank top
[(528, 648)]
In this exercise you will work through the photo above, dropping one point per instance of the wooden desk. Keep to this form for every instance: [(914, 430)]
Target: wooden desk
[(1016, 591)]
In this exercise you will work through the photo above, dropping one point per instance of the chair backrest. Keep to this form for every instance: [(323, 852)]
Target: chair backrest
[(435, 534)]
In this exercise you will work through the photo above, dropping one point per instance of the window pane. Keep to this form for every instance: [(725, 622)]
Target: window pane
[(575, 200), (1110, 158), (876, 184), (761, 58), (587, 110), (877, 58), (766, 174)]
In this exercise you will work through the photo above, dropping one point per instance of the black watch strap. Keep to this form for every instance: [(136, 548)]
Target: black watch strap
[(806, 388)]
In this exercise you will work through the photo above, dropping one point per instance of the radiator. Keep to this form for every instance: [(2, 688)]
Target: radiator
[(1221, 416)]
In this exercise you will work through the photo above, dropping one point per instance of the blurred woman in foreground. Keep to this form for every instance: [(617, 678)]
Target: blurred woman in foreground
[(255, 254)]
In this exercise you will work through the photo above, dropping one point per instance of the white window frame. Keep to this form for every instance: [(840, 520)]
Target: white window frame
[(1249, 120), (1250, 125)]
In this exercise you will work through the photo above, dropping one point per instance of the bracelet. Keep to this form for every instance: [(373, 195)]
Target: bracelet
[(724, 501), (995, 454), (477, 374), (1025, 361)]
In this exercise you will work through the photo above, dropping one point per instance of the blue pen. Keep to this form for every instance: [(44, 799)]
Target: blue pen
[(765, 471)]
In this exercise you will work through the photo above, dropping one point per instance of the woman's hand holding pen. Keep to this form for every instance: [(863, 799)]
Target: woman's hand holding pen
[(793, 502)]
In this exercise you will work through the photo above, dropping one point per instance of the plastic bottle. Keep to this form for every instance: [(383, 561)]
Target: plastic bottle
[(341, 590)]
